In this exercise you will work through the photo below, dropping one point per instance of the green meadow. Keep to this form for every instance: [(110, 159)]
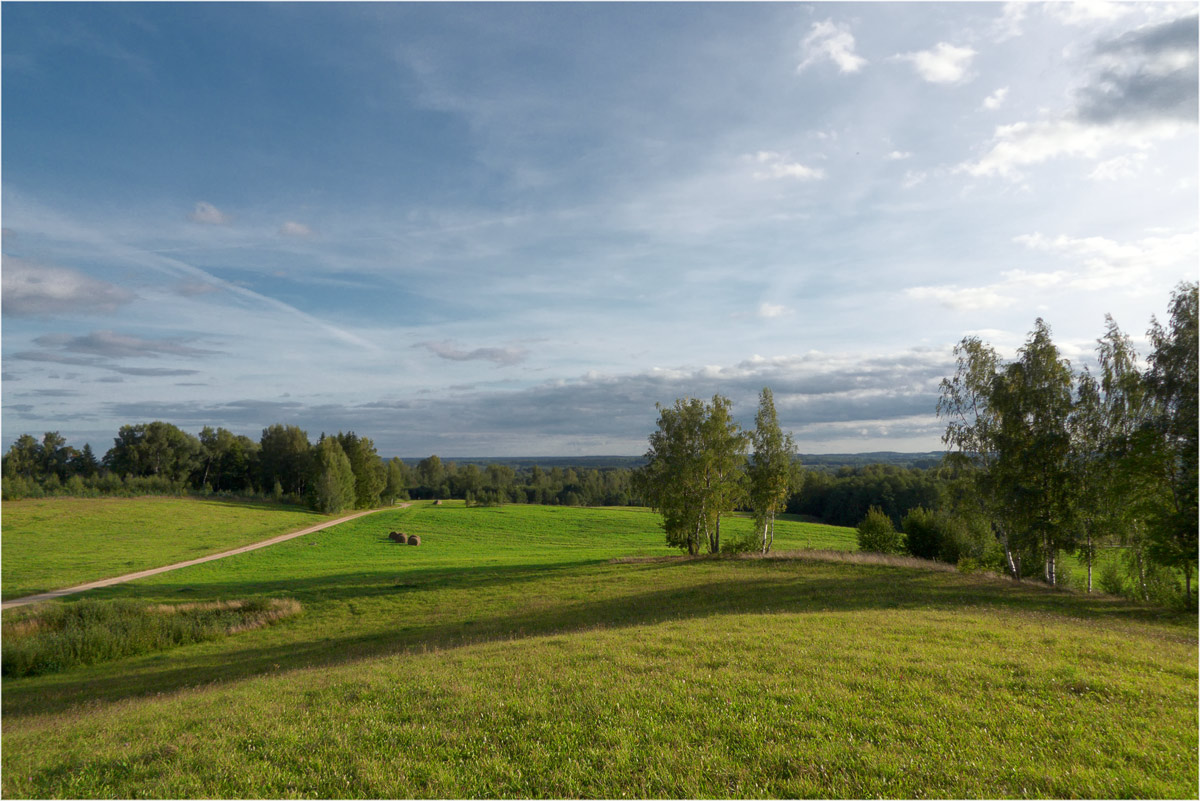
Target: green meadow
[(552, 651), (61, 542)]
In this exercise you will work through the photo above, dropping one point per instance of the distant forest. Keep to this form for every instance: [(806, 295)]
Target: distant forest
[(345, 471)]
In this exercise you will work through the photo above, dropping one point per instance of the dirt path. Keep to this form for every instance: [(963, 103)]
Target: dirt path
[(46, 596)]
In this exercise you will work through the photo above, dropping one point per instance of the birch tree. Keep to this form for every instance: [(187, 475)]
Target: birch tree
[(770, 469)]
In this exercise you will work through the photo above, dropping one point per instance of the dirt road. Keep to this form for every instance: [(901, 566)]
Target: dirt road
[(46, 596)]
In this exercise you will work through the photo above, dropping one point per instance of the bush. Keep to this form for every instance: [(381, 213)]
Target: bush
[(921, 533), (1110, 579), (876, 533), (749, 543)]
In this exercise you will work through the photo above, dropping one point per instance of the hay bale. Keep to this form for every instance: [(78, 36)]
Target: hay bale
[(437, 503), (414, 540)]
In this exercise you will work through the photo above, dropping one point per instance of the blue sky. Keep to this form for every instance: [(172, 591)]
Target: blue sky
[(512, 229)]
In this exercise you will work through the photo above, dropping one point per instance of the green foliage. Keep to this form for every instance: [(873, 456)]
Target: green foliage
[(842, 498), (333, 482), (692, 473), (285, 456), (877, 534), (769, 472), (159, 450), (370, 476), (57, 637), (1172, 381)]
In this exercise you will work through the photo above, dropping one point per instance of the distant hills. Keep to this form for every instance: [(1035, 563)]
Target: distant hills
[(816, 461)]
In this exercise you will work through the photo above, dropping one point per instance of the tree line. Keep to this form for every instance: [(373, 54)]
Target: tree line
[(1063, 461), (337, 472)]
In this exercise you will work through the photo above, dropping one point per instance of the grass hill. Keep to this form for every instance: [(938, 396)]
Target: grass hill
[(552, 651)]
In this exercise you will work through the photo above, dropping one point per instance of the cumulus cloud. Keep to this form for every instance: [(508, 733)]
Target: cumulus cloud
[(1115, 169), (208, 214), (899, 155), (1010, 24), (945, 63), (996, 99), (299, 230), (829, 41), (1142, 89), (501, 356), (1146, 74), (1093, 263), (772, 166), (34, 290), (1085, 12)]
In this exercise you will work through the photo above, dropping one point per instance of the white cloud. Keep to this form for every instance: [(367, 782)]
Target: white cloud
[(995, 99), (1009, 24), (1026, 143), (1095, 263), (1085, 12), (945, 63), (1142, 88), (769, 310), (32, 289), (899, 155), (208, 214), (913, 178), (295, 229), (959, 298), (776, 165), (1115, 169), (830, 41)]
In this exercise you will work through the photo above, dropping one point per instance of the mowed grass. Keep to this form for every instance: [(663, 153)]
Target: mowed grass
[(512, 655), (54, 543)]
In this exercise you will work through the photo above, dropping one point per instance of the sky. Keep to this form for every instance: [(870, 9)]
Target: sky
[(500, 230)]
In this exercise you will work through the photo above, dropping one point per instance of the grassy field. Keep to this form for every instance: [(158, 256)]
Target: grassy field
[(60, 542), (544, 651)]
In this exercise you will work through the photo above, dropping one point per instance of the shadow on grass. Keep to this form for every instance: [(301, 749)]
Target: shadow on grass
[(682, 591)]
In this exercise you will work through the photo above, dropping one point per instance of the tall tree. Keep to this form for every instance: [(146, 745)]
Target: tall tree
[(285, 456), (1032, 469), (24, 458), (770, 468), (398, 481), (153, 449), (333, 478), (691, 473), (370, 476), (1172, 382), (972, 428), (431, 476)]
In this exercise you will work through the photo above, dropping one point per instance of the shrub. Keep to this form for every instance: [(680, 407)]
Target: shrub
[(745, 544), (921, 533), (1110, 579), (876, 533)]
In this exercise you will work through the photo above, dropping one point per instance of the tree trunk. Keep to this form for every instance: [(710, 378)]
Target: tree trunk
[(1089, 555), (1014, 565)]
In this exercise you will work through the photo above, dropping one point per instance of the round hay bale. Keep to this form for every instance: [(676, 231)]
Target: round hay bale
[(414, 540), (396, 536)]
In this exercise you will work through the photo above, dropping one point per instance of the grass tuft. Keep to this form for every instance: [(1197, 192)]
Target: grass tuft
[(55, 637)]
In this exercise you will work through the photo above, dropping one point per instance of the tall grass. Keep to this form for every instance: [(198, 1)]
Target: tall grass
[(56, 637)]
